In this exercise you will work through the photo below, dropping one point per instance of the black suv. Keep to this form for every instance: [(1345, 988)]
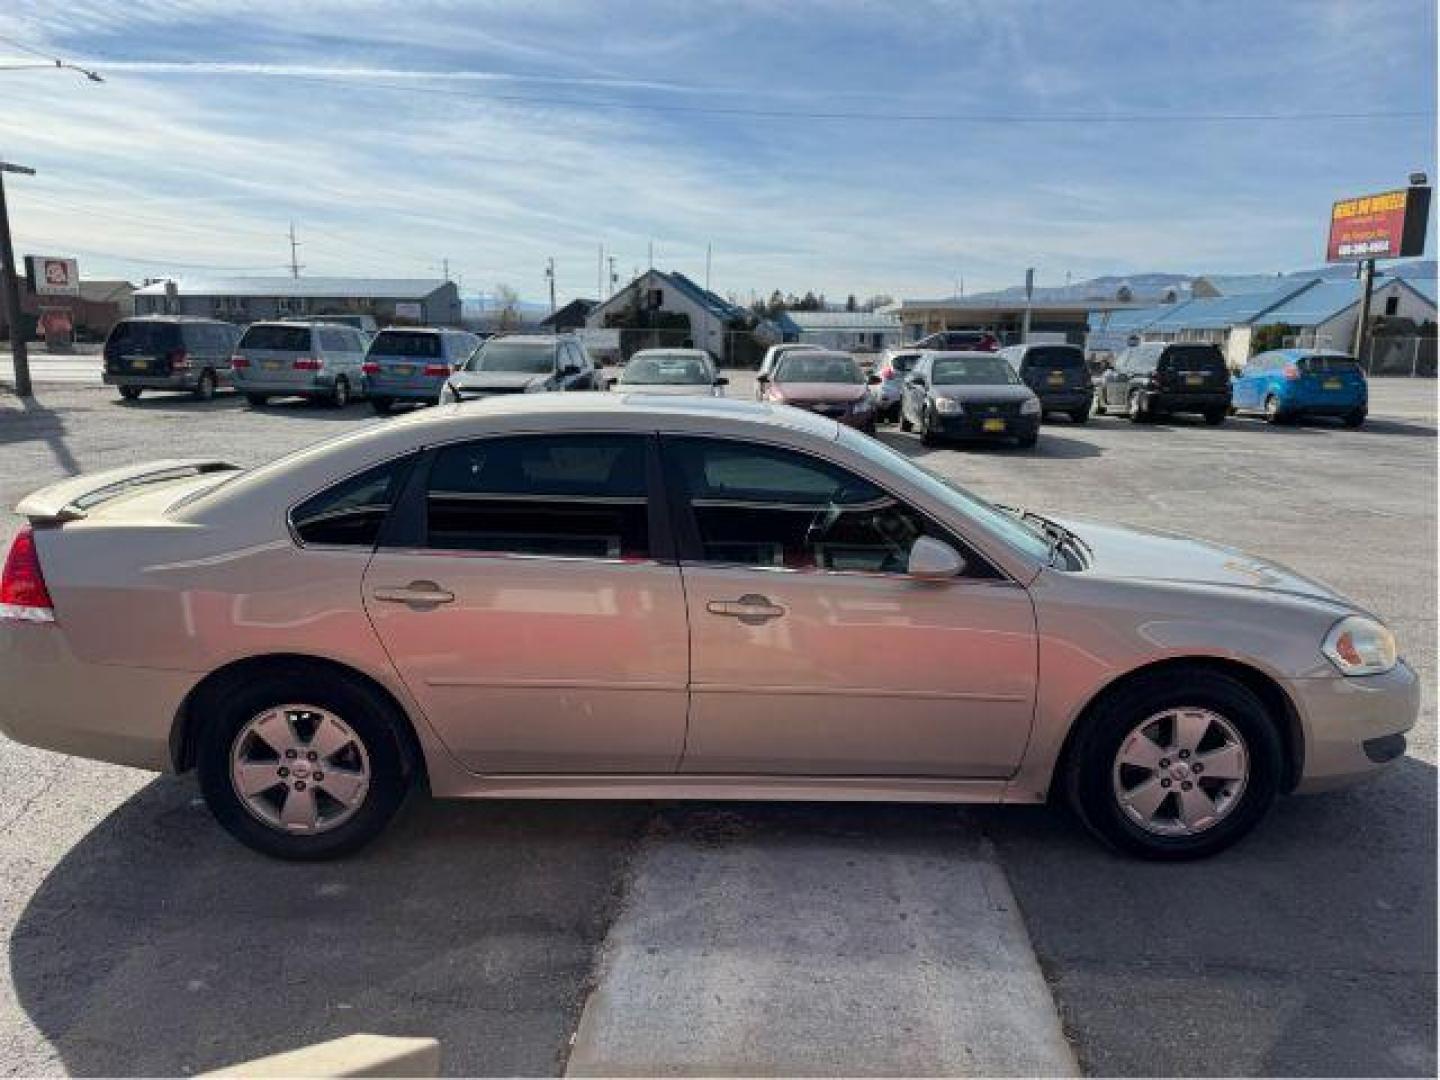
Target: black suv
[(151, 353), (1156, 377), (1057, 374)]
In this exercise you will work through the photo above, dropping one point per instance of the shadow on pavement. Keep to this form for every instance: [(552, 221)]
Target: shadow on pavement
[(1051, 445), (1307, 950), (159, 946), (33, 420)]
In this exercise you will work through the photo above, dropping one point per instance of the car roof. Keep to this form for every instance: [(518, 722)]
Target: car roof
[(962, 354), (533, 339), (663, 350)]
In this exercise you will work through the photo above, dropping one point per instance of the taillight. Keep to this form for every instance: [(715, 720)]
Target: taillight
[(888, 373), (239, 362), (370, 367), (1290, 371), (179, 358), (436, 369), (23, 594), (307, 363)]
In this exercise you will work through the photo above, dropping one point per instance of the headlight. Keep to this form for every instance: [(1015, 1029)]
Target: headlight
[(1030, 407), (1360, 646), (948, 406)]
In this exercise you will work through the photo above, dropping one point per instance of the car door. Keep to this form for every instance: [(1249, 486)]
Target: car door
[(795, 581), (1245, 390), (528, 598), (915, 389)]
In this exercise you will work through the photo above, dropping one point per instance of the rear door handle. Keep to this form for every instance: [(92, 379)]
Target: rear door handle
[(417, 592), (751, 609)]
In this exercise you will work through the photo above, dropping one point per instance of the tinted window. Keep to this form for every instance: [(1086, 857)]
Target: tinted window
[(405, 343), (559, 495), (1193, 358), (351, 512), (665, 369), (284, 338), (1055, 356), (1330, 365), (135, 336), (516, 357), (904, 362), (764, 506)]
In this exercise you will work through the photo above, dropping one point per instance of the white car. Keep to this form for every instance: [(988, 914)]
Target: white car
[(671, 372)]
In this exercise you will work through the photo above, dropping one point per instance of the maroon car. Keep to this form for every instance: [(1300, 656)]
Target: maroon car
[(828, 383)]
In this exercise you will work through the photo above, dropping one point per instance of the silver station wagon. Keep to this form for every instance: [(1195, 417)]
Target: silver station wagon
[(624, 596)]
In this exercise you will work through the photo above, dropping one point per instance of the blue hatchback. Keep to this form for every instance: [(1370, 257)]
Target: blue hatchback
[(1287, 384)]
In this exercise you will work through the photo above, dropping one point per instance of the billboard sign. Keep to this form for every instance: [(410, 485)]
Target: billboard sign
[(52, 275), (1389, 225)]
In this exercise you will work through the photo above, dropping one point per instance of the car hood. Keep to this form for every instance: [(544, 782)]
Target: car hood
[(667, 389), (1120, 552), (998, 393), (496, 380), (826, 392)]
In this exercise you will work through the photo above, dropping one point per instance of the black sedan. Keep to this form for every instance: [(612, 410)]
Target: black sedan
[(968, 395)]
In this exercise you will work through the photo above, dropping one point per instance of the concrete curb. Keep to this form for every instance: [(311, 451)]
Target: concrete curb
[(353, 1055)]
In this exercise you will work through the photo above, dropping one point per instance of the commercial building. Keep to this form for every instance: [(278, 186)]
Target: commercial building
[(410, 301), (841, 329), (1004, 316)]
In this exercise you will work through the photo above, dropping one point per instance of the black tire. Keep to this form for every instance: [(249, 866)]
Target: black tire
[(257, 401), (905, 424), (130, 393), (1090, 762), (1080, 416), (383, 406), (1100, 409), (367, 714), (1216, 417), (927, 434), (205, 388), (1354, 419), (1273, 412), (340, 396)]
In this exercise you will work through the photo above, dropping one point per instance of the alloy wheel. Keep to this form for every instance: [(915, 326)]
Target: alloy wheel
[(1181, 771), (299, 769)]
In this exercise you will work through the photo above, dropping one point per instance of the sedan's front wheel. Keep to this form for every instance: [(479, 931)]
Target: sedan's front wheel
[(1175, 766), (302, 765)]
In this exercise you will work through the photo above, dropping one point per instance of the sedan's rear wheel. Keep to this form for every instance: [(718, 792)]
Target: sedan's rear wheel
[(302, 765), (1177, 766)]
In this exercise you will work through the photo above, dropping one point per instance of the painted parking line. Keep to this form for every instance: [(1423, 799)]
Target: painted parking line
[(784, 941)]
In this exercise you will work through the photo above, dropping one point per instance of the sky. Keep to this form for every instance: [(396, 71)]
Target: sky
[(841, 146)]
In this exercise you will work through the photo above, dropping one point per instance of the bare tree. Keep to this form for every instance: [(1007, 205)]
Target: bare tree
[(507, 307)]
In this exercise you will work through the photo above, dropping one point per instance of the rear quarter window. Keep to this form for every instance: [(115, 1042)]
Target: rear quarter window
[(350, 513), (1330, 365)]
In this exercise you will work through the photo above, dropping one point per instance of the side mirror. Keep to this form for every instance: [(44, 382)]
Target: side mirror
[(934, 560), (873, 380), (722, 380)]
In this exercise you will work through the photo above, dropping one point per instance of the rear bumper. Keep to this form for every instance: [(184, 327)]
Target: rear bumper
[(54, 701), (187, 381), (1064, 400), (379, 388), (1160, 401), (1354, 727), (1324, 406), (322, 385)]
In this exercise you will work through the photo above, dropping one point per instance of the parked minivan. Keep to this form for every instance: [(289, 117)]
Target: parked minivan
[(314, 360), (1058, 375), (411, 364), (1155, 378), (161, 353)]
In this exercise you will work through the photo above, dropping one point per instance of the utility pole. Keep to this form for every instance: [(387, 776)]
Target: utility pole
[(550, 276), (1362, 324), (11, 283), (294, 244), (600, 273), (614, 277), (707, 267), (1029, 295), (445, 268), (652, 254)]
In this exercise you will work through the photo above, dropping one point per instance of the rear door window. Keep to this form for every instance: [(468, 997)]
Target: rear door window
[(279, 338)]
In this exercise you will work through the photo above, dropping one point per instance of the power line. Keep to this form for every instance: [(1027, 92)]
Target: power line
[(893, 117)]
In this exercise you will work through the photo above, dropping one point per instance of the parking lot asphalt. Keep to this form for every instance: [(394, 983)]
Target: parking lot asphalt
[(140, 939)]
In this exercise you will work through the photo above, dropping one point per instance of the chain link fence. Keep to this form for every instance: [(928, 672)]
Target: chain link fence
[(1385, 354), (735, 349)]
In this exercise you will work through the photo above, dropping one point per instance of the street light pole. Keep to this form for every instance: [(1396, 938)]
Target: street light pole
[(11, 286)]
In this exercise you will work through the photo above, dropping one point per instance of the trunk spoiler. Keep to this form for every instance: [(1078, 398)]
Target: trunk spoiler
[(70, 499)]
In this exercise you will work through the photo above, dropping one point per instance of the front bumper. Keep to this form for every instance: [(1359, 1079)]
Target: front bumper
[(981, 426), (1351, 725), (51, 699)]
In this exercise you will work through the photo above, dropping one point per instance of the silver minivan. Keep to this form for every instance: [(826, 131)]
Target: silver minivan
[(314, 360), (410, 364)]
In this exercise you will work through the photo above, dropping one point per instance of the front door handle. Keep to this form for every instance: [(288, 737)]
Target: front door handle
[(417, 592), (751, 609)]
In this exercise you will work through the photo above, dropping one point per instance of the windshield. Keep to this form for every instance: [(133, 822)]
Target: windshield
[(971, 371), (1006, 525), (281, 338), (405, 343), (805, 367), (666, 369), (515, 357)]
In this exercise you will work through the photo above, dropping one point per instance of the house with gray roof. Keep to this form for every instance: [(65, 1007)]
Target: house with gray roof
[(661, 298), (844, 330), (417, 301)]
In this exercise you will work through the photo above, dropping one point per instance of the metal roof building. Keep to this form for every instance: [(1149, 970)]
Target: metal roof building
[(427, 301), (841, 329)]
